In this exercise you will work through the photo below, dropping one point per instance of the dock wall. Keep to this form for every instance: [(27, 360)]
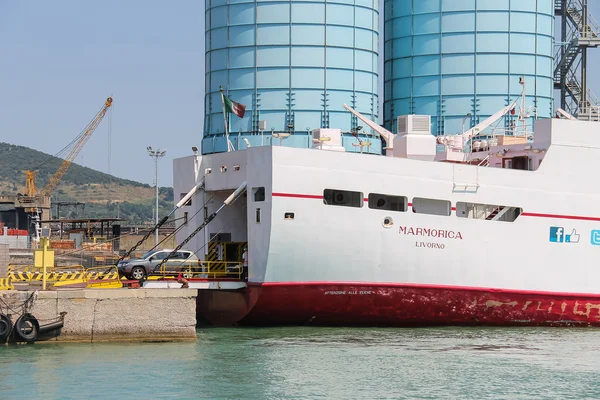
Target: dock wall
[(101, 315), (4, 260)]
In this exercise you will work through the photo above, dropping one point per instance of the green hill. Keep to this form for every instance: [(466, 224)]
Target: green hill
[(104, 195)]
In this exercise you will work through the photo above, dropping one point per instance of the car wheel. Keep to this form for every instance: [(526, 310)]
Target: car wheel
[(138, 273)]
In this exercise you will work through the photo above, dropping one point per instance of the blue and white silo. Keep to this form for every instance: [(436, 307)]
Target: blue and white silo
[(292, 64), (451, 58)]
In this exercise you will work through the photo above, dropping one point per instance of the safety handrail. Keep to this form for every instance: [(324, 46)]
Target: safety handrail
[(210, 270)]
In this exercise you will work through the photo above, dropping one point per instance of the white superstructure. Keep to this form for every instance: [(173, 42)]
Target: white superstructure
[(515, 216)]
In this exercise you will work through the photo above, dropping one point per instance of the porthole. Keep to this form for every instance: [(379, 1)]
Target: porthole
[(387, 222)]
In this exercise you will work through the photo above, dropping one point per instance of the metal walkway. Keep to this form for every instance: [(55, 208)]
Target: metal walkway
[(579, 32)]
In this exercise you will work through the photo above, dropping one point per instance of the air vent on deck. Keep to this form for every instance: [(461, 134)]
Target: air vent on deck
[(415, 124), (401, 125)]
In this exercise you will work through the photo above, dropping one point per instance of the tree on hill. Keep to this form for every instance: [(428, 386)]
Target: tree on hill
[(98, 190), (14, 160)]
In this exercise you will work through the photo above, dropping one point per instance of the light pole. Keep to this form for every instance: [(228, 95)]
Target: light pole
[(463, 121), (463, 130), (156, 154)]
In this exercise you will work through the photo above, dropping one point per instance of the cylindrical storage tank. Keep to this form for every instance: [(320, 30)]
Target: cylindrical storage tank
[(292, 64), (451, 58)]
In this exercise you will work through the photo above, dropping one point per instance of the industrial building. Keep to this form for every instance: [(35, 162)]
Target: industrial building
[(464, 59), (293, 65)]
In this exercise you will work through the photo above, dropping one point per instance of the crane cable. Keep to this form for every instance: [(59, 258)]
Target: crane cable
[(151, 231), (180, 226), (68, 146), (230, 200), (195, 252), (132, 233)]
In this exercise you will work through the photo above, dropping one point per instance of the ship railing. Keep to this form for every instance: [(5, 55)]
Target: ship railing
[(481, 211), (454, 143), (210, 270), (589, 112), (485, 162)]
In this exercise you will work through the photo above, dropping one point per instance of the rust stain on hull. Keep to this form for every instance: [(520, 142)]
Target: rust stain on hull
[(373, 305), (494, 303)]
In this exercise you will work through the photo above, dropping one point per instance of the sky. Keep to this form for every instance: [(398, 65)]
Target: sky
[(61, 59)]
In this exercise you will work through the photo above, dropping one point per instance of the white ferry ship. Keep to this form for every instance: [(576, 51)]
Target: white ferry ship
[(501, 229)]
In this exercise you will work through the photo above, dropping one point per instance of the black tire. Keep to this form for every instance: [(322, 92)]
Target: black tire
[(27, 328), (138, 273), (187, 272), (5, 327)]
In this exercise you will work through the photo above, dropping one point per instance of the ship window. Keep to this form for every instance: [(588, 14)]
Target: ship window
[(345, 198), (387, 202), (185, 218), (187, 203), (431, 206), (488, 212), (258, 215), (259, 193), (521, 162), (288, 215)]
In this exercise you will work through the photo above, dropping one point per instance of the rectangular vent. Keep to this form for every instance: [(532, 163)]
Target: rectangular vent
[(420, 123), (413, 124), (401, 125)]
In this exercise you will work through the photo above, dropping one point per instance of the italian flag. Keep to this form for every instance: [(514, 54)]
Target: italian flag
[(234, 107)]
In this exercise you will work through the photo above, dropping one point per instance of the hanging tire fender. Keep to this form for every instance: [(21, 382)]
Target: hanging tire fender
[(6, 327), (27, 328)]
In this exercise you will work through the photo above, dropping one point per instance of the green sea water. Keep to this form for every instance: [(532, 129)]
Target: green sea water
[(315, 363)]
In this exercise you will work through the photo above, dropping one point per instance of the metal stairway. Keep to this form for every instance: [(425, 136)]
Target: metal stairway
[(579, 32)]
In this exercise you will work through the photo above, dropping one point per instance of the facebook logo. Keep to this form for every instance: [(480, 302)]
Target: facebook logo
[(557, 235)]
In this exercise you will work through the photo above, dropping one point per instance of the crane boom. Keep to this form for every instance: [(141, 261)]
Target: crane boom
[(62, 170), (384, 133)]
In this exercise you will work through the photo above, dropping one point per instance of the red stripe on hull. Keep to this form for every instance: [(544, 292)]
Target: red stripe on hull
[(298, 196), (557, 216), (524, 214), (388, 305)]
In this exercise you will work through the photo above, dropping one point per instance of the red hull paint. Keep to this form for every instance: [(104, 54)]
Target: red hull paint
[(352, 304)]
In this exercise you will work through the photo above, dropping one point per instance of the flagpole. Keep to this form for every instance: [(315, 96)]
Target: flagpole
[(225, 119), (229, 144)]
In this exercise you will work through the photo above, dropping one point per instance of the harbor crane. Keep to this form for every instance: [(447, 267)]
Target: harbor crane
[(80, 141)]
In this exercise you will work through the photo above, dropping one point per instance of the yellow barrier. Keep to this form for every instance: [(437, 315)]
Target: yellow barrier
[(105, 277), (21, 267), (29, 273), (6, 284)]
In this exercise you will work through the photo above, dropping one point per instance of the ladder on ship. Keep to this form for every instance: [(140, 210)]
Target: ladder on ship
[(579, 32)]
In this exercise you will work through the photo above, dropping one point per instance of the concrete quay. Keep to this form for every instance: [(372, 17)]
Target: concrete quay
[(103, 315)]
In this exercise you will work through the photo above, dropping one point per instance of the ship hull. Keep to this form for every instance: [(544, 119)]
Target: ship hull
[(353, 240), (394, 305)]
